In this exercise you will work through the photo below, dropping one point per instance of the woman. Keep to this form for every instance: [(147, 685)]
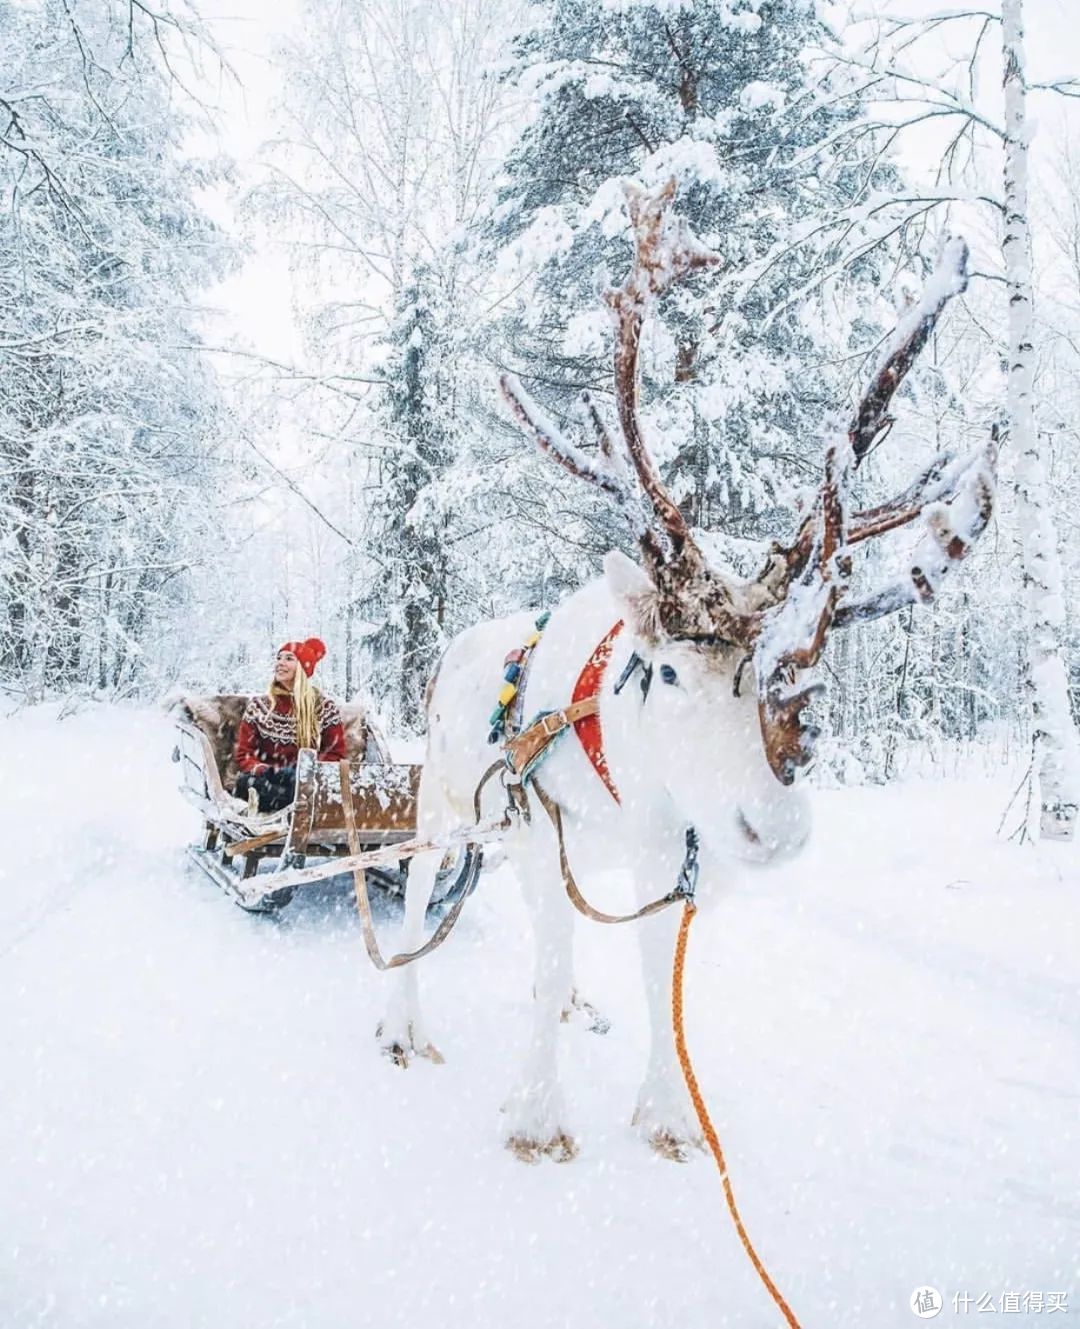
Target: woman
[(293, 715)]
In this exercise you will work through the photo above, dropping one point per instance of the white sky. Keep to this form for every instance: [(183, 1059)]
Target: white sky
[(255, 304)]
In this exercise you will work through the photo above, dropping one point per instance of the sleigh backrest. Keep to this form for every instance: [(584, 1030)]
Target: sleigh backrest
[(218, 717)]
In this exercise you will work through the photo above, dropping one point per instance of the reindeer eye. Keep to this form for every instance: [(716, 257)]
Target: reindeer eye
[(668, 675)]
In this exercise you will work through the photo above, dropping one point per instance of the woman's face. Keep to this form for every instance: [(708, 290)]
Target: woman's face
[(285, 668)]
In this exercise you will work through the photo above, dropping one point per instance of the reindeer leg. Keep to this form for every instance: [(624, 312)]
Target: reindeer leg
[(400, 1032), (535, 1111), (663, 1117)]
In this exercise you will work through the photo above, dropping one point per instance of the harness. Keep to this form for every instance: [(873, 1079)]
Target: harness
[(525, 750)]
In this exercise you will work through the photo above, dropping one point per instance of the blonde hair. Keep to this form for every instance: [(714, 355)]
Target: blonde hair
[(305, 699)]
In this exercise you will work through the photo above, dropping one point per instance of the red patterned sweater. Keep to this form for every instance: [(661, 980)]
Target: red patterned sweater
[(266, 739)]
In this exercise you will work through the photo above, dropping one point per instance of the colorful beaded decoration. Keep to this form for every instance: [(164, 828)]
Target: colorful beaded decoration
[(514, 667)]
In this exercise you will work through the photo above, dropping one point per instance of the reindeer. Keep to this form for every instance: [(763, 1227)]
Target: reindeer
[(719, 733)]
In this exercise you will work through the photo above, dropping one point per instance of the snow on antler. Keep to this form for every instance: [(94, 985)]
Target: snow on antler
[(550, 440), (954, 500), (611, 454), (949, 278), (665, 251), (793, 632), (952, 528), (871, 418)]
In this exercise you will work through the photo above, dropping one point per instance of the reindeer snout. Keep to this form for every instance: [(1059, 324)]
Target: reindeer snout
[(772, 838)]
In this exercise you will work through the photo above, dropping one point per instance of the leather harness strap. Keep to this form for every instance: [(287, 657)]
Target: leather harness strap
[(523, 750), (363, 903), (577, 899), (583, 715)]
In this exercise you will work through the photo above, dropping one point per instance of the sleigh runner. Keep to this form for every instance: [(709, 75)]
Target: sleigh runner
[(238, 844)]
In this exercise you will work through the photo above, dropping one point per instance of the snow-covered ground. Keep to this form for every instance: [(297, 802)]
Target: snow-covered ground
[(196, 1130)]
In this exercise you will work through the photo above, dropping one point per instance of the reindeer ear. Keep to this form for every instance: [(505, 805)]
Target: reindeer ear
[(634, 592)]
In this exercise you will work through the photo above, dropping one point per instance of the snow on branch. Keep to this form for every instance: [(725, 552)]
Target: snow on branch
[(896, 22)]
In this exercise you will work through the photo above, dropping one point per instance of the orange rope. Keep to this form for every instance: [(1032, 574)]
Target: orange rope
[(708, 1130)]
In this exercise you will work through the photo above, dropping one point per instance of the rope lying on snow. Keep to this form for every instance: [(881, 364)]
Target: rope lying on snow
[(704, 1120)]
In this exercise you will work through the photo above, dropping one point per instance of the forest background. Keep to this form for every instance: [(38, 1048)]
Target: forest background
[(259, 274)]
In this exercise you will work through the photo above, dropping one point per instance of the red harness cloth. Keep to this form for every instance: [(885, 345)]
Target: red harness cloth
[(588, 728)]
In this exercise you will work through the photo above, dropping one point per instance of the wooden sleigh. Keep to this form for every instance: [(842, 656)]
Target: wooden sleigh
[(246, 853)]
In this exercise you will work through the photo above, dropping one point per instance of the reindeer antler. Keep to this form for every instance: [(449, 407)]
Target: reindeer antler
[(665, 251), (952, 527), (695, 601), (954, 498), (872, 420), (783, 617)]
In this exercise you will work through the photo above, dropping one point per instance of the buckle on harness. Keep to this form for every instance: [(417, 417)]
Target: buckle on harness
[(553, 723), (686, 886)]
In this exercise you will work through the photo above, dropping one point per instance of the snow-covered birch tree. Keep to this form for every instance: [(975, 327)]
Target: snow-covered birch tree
[(1055, 738), (387, 147), (911, 96)]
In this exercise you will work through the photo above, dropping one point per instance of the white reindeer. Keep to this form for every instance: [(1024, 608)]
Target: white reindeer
[(702, 746)]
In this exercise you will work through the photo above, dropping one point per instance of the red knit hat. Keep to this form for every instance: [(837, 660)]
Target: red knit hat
[(309, 653)]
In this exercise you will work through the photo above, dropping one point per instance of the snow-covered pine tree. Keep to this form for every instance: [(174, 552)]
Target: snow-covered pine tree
[(718, 95), (406, 523), (106, 416)]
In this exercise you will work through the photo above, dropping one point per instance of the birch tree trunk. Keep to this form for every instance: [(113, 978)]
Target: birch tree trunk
[(1054, 734)]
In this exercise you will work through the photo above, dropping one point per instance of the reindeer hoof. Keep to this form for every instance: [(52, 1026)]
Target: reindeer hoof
[(560, 1148), (593, 1020), (673, 1147), (397, 1054), (401, 1051), (677, 1144), (598, 1024)]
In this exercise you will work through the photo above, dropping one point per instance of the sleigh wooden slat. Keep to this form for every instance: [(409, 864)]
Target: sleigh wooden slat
[(243, 851), (384, 801)]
